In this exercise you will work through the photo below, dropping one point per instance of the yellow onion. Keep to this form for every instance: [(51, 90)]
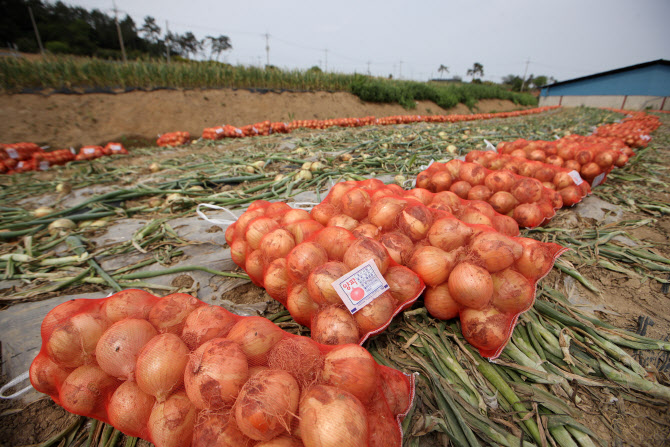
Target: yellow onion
[(42, 211), (258, 228), (351, 368), (366, 230), (300, 305), (502, 202), (300, 357), (276, 280), (453, 166), (485, 329), (415, 221), (334, 325), (461, 188), (432, 264), (118, 348), (171, 423), (218, 429), (276, 244), (72, 343), (323, 212), (294, 215), (129, 409), (257, 336), (528, 215), (512, 292), (473, 173), (356, 203), (446, 200), (304, 230), (441, 181), (422, 195), (338, 190), (398, 246), (304, 258), (403, 283), (160, 365), (170, 312), (365, 249), (46, 376), (376, 314), (500, 181), (320, 280), (243, 221), (479, 192), (439, 302), (535, 261), (384, 212), (206, 323), (336, 241), (344, 221), (471, 286), (131, 303), (254, 266), (495, 251), (239, 250), (86, 391), (505, 225), (449, 233), (527, 190)]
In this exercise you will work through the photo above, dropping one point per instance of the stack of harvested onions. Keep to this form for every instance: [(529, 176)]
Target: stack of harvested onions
[(180, 373), (486, 277), (525, 199), (569, 184), (296, 259)]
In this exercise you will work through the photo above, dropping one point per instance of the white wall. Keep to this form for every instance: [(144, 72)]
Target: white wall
[(617, 102)]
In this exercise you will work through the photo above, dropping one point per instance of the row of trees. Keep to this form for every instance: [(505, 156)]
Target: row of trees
[(74, 30), (515, 82)]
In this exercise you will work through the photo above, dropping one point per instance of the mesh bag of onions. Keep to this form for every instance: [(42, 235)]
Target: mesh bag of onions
[(471, 270), (178, 372), (524, 199), (569, 184), (298, 260)]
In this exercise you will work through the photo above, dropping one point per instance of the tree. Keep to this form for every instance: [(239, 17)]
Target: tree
[(151, 30), (443, 69), (218, 45), (476, 71), (514, 81), (189, 44)]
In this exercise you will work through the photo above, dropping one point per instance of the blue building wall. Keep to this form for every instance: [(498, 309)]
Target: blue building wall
[(652, 80)]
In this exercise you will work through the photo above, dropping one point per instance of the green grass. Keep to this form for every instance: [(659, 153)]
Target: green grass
[(76, 72)]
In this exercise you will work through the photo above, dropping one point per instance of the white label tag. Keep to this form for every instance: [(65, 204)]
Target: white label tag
[(238, 131), (576, 177), (115, 147), (490, 146), (645, 137), (598, 180), (43, 166), (12, 153), (88, 150), (360, 286), (219, 130)]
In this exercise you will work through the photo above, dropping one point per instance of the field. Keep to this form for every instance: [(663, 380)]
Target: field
[(139, 224)]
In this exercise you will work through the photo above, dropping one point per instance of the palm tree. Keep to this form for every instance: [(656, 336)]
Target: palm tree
[(477, 70), (443, 69)]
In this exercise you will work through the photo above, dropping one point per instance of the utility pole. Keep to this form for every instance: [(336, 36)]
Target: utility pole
[(369, 68), (400, 71), (37, 33), (524, 74), (326, 66), (167, 41), (267, 49), (118, 30)]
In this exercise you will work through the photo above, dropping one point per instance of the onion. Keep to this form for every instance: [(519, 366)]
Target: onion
[(449, 233), (583, 156), (396, 388), (621, 160), (398, 246), (276, 280), (446, 199), (562, 180), (351, 368), (404, 284), (323, 212), (381, 193), (275, 209), (276, 244), (72, 343), (304, 230), (481, 207), (356, 203), (294, 215), (267, 404), (331, 417), (46, 376), (338, 190), (169, 314), (258, 228), (527, 169), (432, 264), (500, 181), (495, 250), (171, 423), (512, 292), (281, 441), (454, 167), (230, 234), (439, 302), (505, 225), (344, 221), (336, 241), (572, 165), (527, 190), (555, 199), (383, 429), (441, 181), (415, 221), (245, 218), (257, 336), (258, 205), (255, 266), (537, 155), (567, 152), (220, 430), (503, 202), (423, 180), (535, 261), (300, 305), (119, 346), (545, 174), (319, 282), (365, 249), (385, 211), (419, 194), (304, 258), (479, 192), (239, 251), (470, 285), (206, 323), (570, 195), (590, 171), (366, 230), (371, 184), (473, 217), (334, 325), (554, 160), (160, 365), (215, 373), (473, 173), (86, 391), (62, 313), (395, 190), (528, 215), (300, 357), (129, 409), (461, 189), (485, 329), (520, 153), (131, 303), (376, 313)]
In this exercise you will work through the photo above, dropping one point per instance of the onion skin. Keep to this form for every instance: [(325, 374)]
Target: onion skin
[(46, 376), (86, 391), (258, 228), (499, 181), (276, 244), (535, 261), (300, 305), (338, 190), (267, 404), (172, 422), (72, 344), (323, 212), (479, 192), (432, 264), (239, 250), (244, 219), (294, 215), (334, 325), (343, 221), (376, 313), (485, 329), (502, 202), (419, 194), (398, 246), (527, 190), (471, 286), (528, 215), (365, 249), (473, 173), (439, 303), (255, 266), (319, 282), (276, 280), (206, 323), (304, 258), (169, 314), (281, 441), (449, 234), (473, 217), (396, 388), (256, 336), (62, 314), (571, 195), (461, 189), (304, 230), (404, 284), (415, 221), (336, 241), (131, 303), (160, 365), (448, 199), (300, 357), (330, 417), (220, 430), (366, 230), (512, 292), (215, 373), (385, 211), (129, 409), (118, 348), (505, 225), (356, 203), (441, 181), (351, 368), (495, 251)]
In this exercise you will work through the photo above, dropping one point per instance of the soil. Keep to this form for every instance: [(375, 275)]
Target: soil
[(64, 120)]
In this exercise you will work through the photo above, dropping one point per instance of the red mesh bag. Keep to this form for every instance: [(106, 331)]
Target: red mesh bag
[(524, 199), (173, 139), (568, 184), (113, 148), (180, 373), (90, 153), (57, 157), (634, 130), (18, 151), (297, 261)]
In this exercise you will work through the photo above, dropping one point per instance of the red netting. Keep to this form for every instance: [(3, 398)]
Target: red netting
[(178, 372), (173, 139)]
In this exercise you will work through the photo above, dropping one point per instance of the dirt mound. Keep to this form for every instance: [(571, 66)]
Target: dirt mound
[(62, 120)]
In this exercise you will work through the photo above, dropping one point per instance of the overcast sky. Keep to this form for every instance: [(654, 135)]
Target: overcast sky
[(411, 39)]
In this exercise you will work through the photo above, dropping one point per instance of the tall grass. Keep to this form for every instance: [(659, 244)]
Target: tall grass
[(75, 72)]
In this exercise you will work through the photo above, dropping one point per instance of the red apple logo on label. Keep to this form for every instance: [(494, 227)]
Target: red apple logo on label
[(357, 294)]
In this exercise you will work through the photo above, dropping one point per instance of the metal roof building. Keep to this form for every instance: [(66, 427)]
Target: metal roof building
[(636, 87)]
